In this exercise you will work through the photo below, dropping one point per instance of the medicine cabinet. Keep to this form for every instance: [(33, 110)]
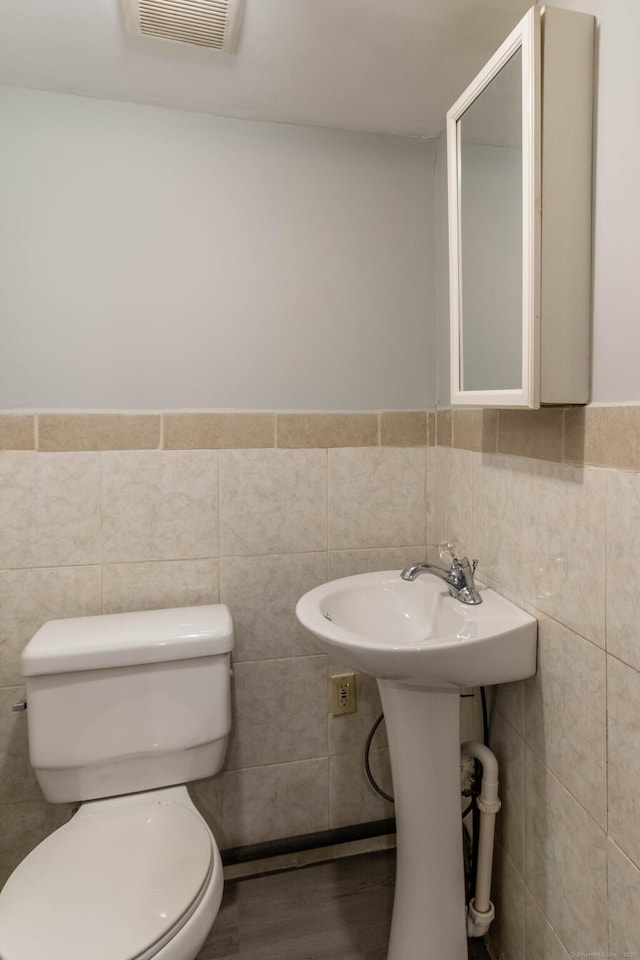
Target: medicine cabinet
[(519, 143)]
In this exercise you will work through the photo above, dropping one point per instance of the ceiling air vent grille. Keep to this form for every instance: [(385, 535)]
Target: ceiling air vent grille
[(206, 23)]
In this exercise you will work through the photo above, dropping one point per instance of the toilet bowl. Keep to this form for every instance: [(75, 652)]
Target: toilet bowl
[(137, 700), (132, 878)]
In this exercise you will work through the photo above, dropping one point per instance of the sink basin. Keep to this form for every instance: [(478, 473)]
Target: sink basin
[(416, 633)]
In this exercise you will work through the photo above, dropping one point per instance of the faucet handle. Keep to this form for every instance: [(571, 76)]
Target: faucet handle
[(451, 550), (474, 564)]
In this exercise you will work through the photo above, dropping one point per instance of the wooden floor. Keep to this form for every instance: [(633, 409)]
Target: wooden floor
[(319, 912)]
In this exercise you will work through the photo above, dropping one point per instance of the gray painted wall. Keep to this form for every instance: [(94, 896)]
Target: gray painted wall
[(151, 258)]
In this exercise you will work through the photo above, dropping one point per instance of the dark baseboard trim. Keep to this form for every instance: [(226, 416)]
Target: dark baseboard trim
[(307, 841)]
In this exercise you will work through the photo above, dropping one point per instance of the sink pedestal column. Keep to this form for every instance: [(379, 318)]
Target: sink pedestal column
[(423, 729)]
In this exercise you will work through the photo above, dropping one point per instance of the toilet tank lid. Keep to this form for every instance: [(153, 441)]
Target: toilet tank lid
[(127, 639)]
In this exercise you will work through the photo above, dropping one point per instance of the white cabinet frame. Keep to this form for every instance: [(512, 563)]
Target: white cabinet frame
[(557, 106)]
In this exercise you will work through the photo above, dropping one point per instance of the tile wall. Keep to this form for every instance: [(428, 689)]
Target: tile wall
[(109, 513), (550, 504)]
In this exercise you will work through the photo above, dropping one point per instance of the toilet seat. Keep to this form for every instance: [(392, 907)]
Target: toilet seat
[(115, 883)]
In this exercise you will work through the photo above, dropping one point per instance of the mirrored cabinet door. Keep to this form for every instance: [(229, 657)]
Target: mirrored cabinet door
[(505, 308), (490, 219)]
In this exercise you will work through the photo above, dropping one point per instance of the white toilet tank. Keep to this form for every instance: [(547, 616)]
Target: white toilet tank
[(129, 701)]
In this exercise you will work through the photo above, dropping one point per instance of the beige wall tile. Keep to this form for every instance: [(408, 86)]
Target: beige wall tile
[(508, 747), (98, 431), (158, 584), (624, 897), (509, 702), (376, 497), (539, 530), (18, 781), (159, 506), (279, 711), (271, 802), (604, 436), (17, 432), (475, 430), (565, 713), (540, 940), (531, 433), (28, 598), (565, 856), (545, 532), (497, 521), (272, 501), (623, 709), (506, 934), (404, 429), (623, 554), (49, 509), (262, 593), (24, 826), (534, 517), (327, 429), (218, 431), (352, 798), (450, 498), (568, 547), (444, 428), (347, 563)]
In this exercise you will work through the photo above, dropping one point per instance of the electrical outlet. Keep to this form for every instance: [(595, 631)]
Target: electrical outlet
[(342, 693)]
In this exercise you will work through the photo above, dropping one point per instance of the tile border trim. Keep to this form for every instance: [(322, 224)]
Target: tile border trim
[(603, 436), (213, 430)]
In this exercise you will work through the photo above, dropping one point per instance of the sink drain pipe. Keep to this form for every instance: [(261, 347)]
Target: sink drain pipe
[(481, 911)]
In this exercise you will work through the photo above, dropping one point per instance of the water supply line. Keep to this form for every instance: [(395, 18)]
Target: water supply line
[(481, 911)]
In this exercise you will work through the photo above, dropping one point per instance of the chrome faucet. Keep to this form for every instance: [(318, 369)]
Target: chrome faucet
[(459, 578)]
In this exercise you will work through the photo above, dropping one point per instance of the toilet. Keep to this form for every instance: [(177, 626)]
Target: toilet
[(123, 711)]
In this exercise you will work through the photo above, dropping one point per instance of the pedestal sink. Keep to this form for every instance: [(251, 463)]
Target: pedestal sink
[(423, 646)]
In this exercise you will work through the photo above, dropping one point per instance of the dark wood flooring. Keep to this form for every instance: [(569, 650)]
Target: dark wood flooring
[(319, 912)]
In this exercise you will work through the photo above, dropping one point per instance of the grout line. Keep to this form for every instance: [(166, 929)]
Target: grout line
[(101, 515), (541, 909), (606, 799), (623, 853), (556, 776), (326, 504), (219, 526), (425, 486)]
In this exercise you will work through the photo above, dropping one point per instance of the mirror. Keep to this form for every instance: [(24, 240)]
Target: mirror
[(493, 176), (490, 248)]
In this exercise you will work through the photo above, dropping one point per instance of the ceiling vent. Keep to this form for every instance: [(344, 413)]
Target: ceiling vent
[(213, 24)]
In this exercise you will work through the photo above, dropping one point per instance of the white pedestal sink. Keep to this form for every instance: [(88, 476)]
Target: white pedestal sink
[(423, 646)]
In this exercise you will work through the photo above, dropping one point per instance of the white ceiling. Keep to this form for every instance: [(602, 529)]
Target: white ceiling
[(387, 66)]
